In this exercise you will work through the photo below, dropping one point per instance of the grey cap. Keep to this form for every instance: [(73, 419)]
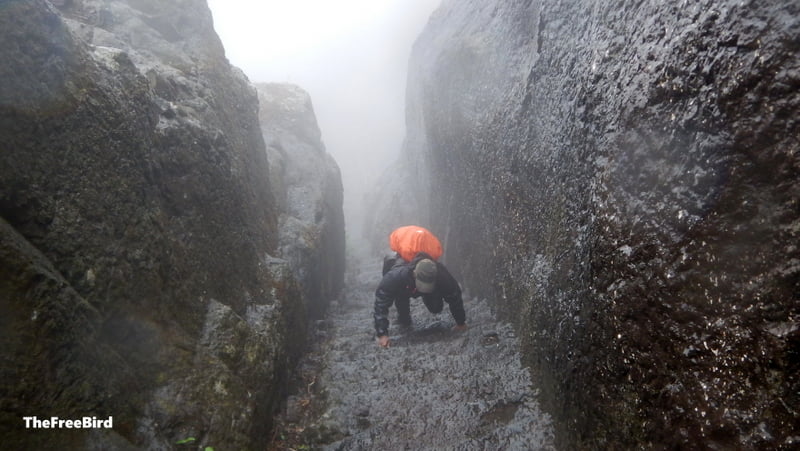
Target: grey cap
[(425, 275)]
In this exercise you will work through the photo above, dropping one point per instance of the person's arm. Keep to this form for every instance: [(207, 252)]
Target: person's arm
[(381, 312), (390, 285), (456, 305), (453, 297)]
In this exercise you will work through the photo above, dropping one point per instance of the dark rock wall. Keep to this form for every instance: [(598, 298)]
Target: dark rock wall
[(141, 273), (622, 180)]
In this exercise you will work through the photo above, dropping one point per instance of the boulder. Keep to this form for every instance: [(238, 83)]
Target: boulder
[(309, 193), (142, 272), (621, 180)]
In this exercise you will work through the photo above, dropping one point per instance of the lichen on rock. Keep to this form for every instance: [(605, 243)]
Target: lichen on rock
[(138, 217), (621, 180)]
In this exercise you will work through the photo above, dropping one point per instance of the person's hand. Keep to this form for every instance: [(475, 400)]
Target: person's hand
[(383, 341), (460, 327)]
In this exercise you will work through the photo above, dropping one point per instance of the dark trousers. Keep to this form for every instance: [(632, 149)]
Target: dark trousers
[(403, 306)]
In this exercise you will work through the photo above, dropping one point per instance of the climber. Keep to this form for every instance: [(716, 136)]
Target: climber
[(421, 276)]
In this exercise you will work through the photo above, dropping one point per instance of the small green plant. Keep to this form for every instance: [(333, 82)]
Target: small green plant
[(191, 440)]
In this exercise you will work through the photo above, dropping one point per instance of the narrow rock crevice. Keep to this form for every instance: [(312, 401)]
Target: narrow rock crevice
[(434, 388)]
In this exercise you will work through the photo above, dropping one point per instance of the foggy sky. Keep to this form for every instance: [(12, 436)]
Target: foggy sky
[(352, 58)]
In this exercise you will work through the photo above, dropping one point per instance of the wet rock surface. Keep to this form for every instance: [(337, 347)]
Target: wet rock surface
[(141, 271), (434, 388), (622, 180), (308, 190)]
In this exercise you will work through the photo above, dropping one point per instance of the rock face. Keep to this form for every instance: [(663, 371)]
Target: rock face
[(141, 273), (622, 179), (309, 192)]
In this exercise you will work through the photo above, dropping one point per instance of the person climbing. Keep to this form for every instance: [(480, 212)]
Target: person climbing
[(414, 272)]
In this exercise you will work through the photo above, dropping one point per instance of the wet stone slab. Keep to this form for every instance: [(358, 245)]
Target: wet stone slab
[(434, 388)]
